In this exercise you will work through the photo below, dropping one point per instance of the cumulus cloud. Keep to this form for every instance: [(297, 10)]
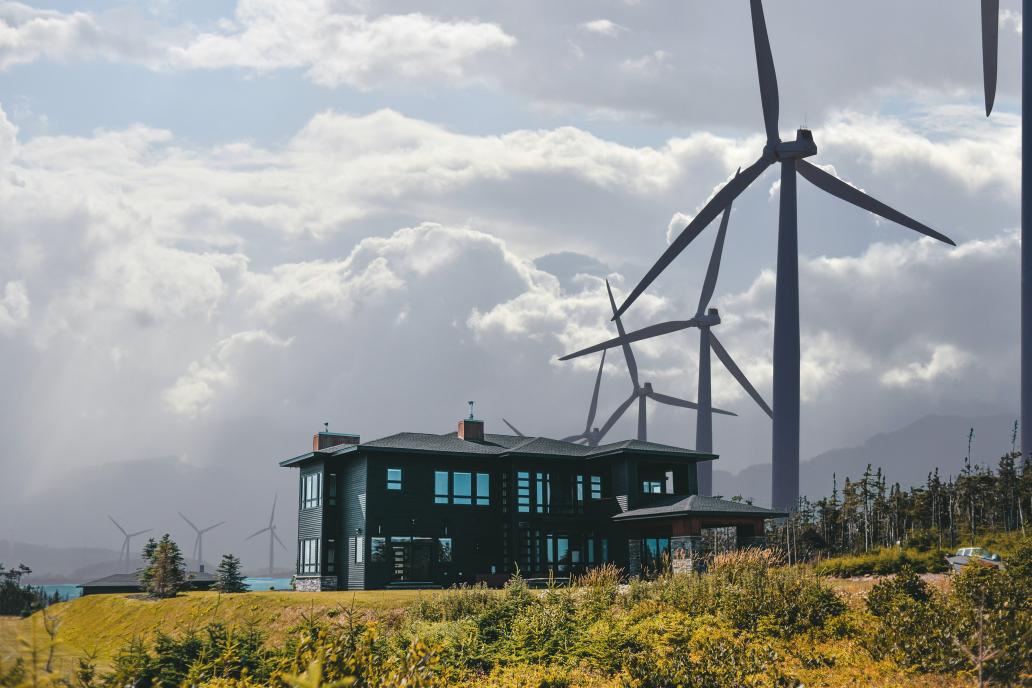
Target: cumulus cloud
[(946, 360), (602, 27)]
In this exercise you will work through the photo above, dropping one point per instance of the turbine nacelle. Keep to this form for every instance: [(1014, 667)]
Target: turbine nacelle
[(710, 319), (802, 147)]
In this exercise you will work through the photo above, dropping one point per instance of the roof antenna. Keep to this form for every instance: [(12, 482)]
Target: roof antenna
[(470, 409), (327, 426)]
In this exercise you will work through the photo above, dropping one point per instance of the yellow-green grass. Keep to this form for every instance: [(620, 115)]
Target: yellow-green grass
[(102, 624)]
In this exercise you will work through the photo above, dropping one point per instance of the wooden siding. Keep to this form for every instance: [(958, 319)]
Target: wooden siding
[(353, 490)]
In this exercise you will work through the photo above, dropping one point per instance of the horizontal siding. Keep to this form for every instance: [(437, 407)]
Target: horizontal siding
[(309, 523), (353, 508)]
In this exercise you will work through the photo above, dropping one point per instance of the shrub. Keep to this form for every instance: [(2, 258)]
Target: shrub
[(884, 562)]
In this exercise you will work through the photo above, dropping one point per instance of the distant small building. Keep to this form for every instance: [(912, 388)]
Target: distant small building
[(121, 583), (424, 510)]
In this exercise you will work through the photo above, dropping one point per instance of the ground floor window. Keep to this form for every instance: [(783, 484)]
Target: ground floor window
[(562, 553), (308, 553), (655, 553), (410, 558), (718, 540)]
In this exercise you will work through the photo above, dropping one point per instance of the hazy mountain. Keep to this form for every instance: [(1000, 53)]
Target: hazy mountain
[(906, 456), (57, 563)]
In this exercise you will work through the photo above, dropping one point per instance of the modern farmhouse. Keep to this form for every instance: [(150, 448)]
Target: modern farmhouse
[(424, 510)]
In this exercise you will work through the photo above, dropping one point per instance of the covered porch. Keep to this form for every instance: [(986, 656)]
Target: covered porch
[(683, 530)]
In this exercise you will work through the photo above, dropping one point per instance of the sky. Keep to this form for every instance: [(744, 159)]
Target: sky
[(228, 222)]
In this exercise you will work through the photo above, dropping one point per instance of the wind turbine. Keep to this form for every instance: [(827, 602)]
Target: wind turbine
[(198, 550), (639, 392), (705, 318), (271, 530), (124, 555), (790, 155), (990, 57)]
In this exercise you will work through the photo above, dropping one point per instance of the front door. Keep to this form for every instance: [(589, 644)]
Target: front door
[(411, 558)]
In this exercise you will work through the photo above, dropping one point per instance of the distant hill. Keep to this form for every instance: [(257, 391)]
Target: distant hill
[(52, 564), (906, 456)]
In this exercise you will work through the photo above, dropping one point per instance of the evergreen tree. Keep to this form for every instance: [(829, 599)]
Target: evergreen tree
[(165, 571), (228, 577)]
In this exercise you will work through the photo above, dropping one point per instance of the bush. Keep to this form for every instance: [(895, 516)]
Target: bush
[(884, 562)]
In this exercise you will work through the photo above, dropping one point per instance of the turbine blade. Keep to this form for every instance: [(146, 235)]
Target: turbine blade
[(573, 438), (632, 366), (188, 521), (714, 264), (513, 428), (257, 533), (671, 401), (636, 336), (616, 416), (276, 538), (765, 70), (139, 532), (594, 396), (737, 373), (836, 187), (990, 50), (213, 527), (272, 516), (117, 525), (720, 200)]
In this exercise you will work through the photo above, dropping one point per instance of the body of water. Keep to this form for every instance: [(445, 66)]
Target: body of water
[(69, 591)]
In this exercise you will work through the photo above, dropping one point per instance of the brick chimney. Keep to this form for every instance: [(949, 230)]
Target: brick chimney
[(471, 429), (325, 440)]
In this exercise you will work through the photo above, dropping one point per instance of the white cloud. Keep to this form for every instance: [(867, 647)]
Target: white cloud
[(14, 307), (602, 27), (946, 361)]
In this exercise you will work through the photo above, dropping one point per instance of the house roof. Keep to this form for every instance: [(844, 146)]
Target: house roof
[(695, 505), (502, 446)]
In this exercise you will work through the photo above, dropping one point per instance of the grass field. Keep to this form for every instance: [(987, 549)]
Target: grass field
[(101, 624)]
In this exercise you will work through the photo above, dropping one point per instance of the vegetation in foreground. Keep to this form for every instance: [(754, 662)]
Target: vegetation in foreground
[(749, 621)]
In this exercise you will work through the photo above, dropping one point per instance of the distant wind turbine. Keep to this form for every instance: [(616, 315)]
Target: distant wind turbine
[(705, 318), (124, 555), (273, 538), (198, 550)]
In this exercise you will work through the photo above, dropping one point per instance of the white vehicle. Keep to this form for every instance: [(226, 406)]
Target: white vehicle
[(967, 555)]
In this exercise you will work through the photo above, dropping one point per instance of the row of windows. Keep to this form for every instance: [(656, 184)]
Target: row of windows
[(540, 551), (457, 487), (534, 492), (309, 551), (396, 549), (311, 490)]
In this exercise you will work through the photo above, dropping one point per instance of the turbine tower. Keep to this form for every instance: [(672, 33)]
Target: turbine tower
[(198, 550), (791, 157), (990, 57), (705, 318), (124, 557), (273, 538)]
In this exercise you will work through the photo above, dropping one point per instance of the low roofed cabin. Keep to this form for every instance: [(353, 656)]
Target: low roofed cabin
[(425, 510)]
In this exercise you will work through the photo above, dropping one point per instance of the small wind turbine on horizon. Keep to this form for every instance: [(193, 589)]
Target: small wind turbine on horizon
[(273, 538), (124, 557), (791, 157), (198, 550), (705, 318)]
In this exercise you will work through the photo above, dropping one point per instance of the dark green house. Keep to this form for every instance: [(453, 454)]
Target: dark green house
[(422, 510)]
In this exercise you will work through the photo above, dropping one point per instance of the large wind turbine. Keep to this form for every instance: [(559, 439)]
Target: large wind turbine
[(124, 554), (705, 318), (271, 530), (790, 155), (990, 57), (198, 550)]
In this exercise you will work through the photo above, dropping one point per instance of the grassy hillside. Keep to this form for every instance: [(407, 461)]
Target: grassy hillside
[(101, 624)]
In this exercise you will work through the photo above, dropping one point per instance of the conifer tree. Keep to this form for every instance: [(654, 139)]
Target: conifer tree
[(165, 571), (228, 577)]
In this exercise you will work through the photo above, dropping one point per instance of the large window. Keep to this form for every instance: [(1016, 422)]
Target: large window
[(596, 487), (523, 492), (462, 488), (652, 486), (444, 550), (543, 492), (394, 479), (308, 550), (311, 490), (655, 553)]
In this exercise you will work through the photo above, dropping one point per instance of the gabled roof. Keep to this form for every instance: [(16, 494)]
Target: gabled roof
[(695, 505), (502, 446)]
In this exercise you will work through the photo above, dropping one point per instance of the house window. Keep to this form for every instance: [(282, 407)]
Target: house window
[(309, 551), (440, 487), (580, 492), (444, 549), (652, 486), (596, 487), (603, 549), (462, 488), (523, 492), (483, 489), (377, 547), (543, 485), (331, 555), (359, 550), (311, 494), (591, 549), (394, 479), (331, 487), (655, 553)]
